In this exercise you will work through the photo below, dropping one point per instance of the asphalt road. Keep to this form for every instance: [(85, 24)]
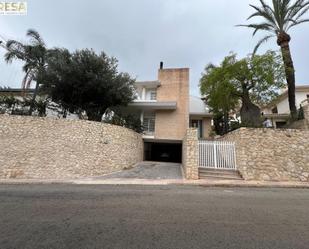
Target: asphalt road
[(71, 216)]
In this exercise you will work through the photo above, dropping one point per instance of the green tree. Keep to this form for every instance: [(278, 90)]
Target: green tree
[(85, 81), (278, 20), (34, 54), (219, 93), (252, 81), (120, 116)]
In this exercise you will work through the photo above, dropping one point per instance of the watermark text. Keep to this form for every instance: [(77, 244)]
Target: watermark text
[(13, 8)]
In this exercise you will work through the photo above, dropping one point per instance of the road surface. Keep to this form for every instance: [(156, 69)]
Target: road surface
[(78, 216)]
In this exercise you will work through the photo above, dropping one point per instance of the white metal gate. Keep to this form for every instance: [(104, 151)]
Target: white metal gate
[(217, 155)]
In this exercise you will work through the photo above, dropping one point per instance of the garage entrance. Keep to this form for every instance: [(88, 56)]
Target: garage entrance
[(163, 152)]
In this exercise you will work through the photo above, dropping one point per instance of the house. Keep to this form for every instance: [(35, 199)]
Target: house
[(166, 110), (278, 111), (52, 109), (16, 92)]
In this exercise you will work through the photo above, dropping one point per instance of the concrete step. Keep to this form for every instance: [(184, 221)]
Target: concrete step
[(219, 174), (220, 177)]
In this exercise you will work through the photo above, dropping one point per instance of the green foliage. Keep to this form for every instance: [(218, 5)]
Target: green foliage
[(216, 87), (8, 101), (40, 106), (234, 125), (261, 75), (278, 18), (118, 116), (86, 81), (221, 123), (34, 55), (276, 21), (301, 114), (267, 76), (250, 81), (15, 106)]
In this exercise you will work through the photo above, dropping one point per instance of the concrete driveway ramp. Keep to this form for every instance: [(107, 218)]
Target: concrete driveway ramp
[(149, 170)]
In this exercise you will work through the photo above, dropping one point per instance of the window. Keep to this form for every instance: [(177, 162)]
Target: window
[(275, 110), (199, 125), (151, 94), (280, 124), (149, 123)]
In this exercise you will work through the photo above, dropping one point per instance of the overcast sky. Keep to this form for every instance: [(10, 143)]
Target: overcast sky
[(141, 33)]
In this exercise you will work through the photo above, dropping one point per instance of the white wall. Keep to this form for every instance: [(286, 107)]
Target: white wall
[(283, 106)]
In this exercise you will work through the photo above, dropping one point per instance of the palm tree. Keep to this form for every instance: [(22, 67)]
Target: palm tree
[(278, 20), (34, 55)]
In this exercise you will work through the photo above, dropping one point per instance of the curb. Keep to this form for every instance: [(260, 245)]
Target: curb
[(23, 182), (144, 182), (254, 186)]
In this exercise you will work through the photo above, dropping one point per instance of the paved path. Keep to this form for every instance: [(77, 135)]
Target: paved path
[(148, 170), (74, 216)]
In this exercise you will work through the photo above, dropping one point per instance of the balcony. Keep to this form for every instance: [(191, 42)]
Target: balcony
[(147, 98), (153, 105), (148, 84)]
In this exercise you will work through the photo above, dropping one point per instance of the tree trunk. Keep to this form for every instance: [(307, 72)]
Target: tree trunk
[(94, 115), (249, 112), (33, 98), (226, 123), (283, 42)]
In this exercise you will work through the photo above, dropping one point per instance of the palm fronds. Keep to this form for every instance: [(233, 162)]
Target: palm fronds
[(278, 17), (263, 40), (32, 53)]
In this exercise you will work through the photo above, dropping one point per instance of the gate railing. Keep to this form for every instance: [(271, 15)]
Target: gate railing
[(217, 155)]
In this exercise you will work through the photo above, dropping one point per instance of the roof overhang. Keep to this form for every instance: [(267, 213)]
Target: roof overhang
[(148, 105), (148, 84), (282, 96), (200, 115)]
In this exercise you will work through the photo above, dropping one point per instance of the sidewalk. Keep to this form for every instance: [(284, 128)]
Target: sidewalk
[(203, 183)]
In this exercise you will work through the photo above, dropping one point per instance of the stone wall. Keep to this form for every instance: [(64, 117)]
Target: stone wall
[(269, 154), (306, 111), (190, 154), (302, 124), (45, 148)]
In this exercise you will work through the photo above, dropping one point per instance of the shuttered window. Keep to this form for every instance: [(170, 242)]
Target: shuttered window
[(149, 122)]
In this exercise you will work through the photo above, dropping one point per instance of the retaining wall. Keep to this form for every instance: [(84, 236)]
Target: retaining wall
[(272, 154), (44, 148)]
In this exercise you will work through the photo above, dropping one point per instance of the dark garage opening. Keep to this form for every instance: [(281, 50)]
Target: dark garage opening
[(163, 152)]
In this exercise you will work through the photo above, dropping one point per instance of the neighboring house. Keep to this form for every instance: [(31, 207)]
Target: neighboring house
[(200, 117), (278, 111), (16, 92), (51, 111)]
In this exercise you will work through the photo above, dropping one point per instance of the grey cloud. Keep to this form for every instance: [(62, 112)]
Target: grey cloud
[(141, 33)]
